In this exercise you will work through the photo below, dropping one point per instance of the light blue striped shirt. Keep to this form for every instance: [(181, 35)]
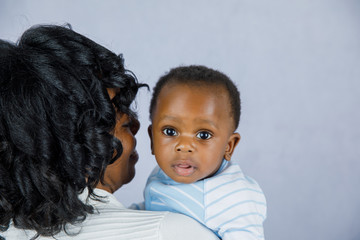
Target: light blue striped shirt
[(231, 204)]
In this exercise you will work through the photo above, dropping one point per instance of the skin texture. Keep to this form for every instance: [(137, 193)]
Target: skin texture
[(192, 131), (122, 171)]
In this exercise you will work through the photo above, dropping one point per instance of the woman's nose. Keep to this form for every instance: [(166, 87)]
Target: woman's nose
[(184, 144), (135, 126)]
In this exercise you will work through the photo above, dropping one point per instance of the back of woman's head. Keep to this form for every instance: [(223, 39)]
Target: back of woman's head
[(56, 120)]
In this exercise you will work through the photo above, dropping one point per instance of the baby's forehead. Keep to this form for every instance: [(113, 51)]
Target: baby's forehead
[(216, 92), (211, 89)]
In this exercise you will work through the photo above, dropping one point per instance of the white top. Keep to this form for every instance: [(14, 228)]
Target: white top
[(113, 221)]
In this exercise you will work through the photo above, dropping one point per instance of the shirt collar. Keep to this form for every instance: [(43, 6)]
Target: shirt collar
[(105, 197)]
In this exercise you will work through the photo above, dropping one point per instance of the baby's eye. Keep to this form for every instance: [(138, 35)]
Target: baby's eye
[(204, 135), (170, 132)]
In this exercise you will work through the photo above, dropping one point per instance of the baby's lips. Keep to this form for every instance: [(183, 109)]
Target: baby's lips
[(184, 169), (184, 165)]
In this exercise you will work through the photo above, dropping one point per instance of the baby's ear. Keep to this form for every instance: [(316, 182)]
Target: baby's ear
[(151, 139), (230, 147)]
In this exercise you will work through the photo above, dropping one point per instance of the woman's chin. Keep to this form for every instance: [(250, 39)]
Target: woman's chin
[(130, 177)]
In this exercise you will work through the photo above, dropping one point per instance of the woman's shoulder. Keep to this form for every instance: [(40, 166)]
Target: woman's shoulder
[(125, 223), (178, 227), (139, 224), (115, 221), (111, 220)]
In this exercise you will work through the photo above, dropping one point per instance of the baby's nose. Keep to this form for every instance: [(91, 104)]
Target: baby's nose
[(184, 145)]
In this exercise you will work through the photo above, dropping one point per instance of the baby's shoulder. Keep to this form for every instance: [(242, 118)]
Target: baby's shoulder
[(232, 178)]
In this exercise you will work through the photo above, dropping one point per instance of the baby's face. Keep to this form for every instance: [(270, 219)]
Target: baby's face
[(192, 131)]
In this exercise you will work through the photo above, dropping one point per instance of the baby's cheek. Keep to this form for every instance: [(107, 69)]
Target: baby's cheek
[(165, 144)]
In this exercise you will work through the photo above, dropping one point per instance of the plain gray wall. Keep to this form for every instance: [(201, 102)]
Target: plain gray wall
[(297, 65)]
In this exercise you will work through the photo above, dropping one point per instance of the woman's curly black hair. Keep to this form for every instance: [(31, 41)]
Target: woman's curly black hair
[(56, 119)]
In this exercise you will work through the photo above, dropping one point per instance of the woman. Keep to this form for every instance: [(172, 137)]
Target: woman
[(67, 143)]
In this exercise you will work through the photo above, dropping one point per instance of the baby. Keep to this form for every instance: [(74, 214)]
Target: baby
[(195, 112)]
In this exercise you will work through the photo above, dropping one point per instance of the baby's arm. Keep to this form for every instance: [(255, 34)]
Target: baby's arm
[(235, 207), (244, 218), (242, 231)]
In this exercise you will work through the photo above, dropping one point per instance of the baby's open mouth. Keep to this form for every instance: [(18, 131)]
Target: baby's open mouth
[(184, 169)]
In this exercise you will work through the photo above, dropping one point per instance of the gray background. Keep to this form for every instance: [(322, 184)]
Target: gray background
[(297, 65)]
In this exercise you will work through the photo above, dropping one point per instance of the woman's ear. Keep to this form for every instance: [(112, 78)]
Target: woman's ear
[(230, 147), (151, 139)]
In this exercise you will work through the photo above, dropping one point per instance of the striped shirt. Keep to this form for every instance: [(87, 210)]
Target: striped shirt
[(231, 204)]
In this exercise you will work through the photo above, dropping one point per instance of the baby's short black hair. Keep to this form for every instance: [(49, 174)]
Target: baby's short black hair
[(197, 75)]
